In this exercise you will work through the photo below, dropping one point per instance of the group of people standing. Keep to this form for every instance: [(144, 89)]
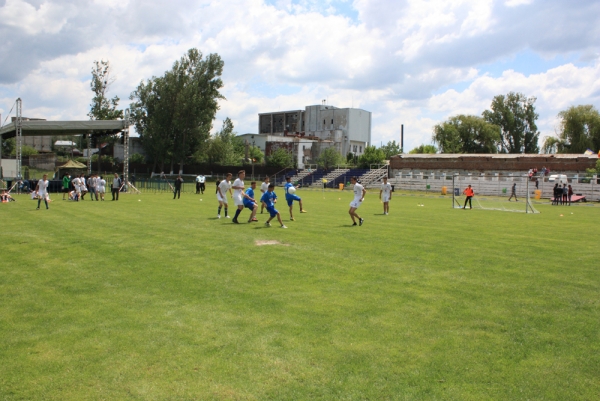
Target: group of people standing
[(562, 195), (78, 187)]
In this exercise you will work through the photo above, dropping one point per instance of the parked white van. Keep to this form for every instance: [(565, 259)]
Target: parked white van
[(558, 178)]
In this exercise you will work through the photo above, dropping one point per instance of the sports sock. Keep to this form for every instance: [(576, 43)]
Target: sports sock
[(226, 214), (39, 201), (46, 202), (219, 212), (237, 213)]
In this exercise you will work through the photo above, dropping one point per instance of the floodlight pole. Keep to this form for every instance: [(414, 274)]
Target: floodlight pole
[(126, 149), (19, 132)]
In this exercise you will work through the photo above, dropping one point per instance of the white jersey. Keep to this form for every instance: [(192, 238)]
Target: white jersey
[(358, 189), (224, 186), (386, 189), (264, 187), (42, 187), (237, 193), (102, 185), (201, 179)]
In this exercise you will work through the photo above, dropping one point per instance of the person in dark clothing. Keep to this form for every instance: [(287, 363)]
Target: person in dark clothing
[(177, 185), (513, 193), (556, 196)]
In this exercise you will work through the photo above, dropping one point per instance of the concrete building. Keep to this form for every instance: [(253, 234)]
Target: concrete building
[(348, 129), (42, 144)]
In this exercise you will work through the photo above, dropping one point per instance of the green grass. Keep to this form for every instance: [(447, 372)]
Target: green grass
[(157, 299)]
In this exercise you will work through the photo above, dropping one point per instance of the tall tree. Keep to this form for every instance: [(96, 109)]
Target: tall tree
[(515, 115), (329, 157), (372, 155), (391, 149), (103, 108), (174, 113), (466, 134), (579, 131)]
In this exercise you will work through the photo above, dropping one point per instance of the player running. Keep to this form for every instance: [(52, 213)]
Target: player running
[(269, 199), (385, 195), (222, 189), (359, 196), (264, 187), (238, 194), (290, 198), (250, 202)]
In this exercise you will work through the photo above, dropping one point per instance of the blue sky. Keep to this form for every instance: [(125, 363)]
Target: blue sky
[(409, 62)]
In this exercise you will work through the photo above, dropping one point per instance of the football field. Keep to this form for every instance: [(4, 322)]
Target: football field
[(151, 298)]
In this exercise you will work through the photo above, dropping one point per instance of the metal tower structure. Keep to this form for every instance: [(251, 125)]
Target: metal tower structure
[(19, 132)]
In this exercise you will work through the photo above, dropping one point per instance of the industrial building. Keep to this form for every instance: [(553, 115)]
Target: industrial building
[(307, 132)]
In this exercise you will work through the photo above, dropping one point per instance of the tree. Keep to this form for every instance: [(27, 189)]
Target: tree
[(224, 148), (26, 150), (579, 131), (103, 108), (515, 115), (466, 134), (391, 149), (372, 155), (8, 146), (424, 149), (174, 113), (329, 157), (280, 158)]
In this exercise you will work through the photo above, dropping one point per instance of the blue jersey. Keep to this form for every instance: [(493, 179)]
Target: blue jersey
[(269, 198), (287, 186), (250, 193)]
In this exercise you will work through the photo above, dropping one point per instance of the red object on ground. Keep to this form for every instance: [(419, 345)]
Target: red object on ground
[(574, 198)]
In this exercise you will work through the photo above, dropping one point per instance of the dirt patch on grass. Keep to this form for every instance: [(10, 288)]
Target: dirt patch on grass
[(268, 242)]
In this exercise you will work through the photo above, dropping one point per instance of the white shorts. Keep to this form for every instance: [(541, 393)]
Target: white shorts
[(101, 190), (238, 201), (355, 204), (220, 199), (385, 198)]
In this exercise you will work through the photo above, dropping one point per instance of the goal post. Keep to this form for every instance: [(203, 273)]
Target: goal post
[(493, 194)]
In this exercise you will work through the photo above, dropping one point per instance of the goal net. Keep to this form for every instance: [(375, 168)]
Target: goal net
[(508, 194)]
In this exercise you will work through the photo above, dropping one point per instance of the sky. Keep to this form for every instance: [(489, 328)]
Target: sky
[(411, 62)]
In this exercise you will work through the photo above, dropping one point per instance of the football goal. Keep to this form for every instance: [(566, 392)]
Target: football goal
[(491, 192)]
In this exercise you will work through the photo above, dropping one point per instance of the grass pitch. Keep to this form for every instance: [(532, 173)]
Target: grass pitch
[(153, 298)]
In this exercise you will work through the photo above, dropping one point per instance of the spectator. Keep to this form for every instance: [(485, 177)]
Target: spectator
[(570, 194)]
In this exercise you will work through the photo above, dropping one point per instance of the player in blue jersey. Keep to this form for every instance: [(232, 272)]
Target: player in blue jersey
[(269, 199), (290, 198), (249, 201)]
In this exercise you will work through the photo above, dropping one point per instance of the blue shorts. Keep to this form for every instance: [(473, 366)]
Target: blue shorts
[(291, 198), (272, 211), (249, 205)]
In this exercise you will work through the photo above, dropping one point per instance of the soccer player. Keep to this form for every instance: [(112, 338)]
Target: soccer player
[(250, 202), (222, 189), (116, 187), (385, 194), (269, 199), (101, 187), (238, 194), (264, 187), (66, 182), (290, 198), (469, 194), (359, 196), (42, 191)]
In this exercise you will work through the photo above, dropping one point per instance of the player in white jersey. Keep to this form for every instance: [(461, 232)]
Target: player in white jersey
[(264, 187), (101, 187), (359, 196), (385, 194), (42, 191), (222, 189), (238, 194)]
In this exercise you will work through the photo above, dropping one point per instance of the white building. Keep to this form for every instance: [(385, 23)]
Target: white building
[(347, 129)]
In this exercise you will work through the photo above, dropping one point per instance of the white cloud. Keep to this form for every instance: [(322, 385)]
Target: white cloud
[(408, 61)]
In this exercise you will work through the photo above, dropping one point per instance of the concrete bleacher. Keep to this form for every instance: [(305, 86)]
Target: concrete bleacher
[(331, 176)]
